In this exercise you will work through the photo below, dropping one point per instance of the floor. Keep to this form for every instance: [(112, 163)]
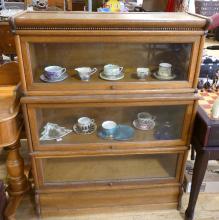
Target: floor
[(207, 206)]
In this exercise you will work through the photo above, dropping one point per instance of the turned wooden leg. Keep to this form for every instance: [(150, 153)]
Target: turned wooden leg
[(200, 166), (17, 181)]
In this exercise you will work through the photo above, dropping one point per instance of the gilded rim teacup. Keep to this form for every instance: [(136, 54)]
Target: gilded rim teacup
[(54, 72), (85, 123), (109, 128), (112, 70)]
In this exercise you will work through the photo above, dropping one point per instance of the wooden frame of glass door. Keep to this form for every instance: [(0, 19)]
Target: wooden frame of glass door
[(101, 86), (31, 109)]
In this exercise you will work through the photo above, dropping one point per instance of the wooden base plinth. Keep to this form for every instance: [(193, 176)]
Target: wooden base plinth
[(76, 203)]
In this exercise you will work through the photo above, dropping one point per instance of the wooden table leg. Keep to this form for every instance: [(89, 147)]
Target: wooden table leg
[(18, 184), (200, 166)]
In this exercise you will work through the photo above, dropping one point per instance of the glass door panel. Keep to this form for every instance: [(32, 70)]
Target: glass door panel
[(128, 55), (165, 122), (109, 168)]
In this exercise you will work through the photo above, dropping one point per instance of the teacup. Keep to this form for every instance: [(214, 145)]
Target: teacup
[(145, 119), (109, 128), (112, 70), (54, 72), (84, 123), (142, 72), (85, 72), (165, 69)]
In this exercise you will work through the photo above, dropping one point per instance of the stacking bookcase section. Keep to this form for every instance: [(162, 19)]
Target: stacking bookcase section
[(136, 52), (109, 104), (82, 183), (141, 121)]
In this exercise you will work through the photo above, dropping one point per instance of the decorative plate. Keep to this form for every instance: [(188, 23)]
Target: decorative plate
[(92, 129), (173, 76), (112, 78)]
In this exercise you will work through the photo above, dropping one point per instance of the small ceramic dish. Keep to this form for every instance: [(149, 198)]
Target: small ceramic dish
[(63, 77)]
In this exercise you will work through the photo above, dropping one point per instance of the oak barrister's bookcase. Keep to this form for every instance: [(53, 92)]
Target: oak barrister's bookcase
[(81, 173)]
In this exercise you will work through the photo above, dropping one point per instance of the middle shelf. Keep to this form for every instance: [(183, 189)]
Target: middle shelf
[(144, 123)]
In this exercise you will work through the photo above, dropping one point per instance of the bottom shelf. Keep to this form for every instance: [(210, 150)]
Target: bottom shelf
[(74, 203)]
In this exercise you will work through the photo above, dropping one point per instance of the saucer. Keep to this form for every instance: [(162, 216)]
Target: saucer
[(173, 76), (122, 133), (61, 78), (102, 135), (113, 78), (78, 130), (145, 127)]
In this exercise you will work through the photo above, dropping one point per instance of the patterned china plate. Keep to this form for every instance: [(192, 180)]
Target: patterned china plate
[(78, 130), (144, 128), (63, 77), (156, 75), (112, 78)]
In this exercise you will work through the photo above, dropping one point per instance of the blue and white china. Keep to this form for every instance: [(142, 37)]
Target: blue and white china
[(54, 72), (61, 78)]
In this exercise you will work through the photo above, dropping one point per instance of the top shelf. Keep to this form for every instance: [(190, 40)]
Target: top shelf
[(62, 20), (129, 40)]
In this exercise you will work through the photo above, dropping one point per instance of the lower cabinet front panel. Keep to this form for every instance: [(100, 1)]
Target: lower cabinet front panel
[(71, 184), (67, 203)]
